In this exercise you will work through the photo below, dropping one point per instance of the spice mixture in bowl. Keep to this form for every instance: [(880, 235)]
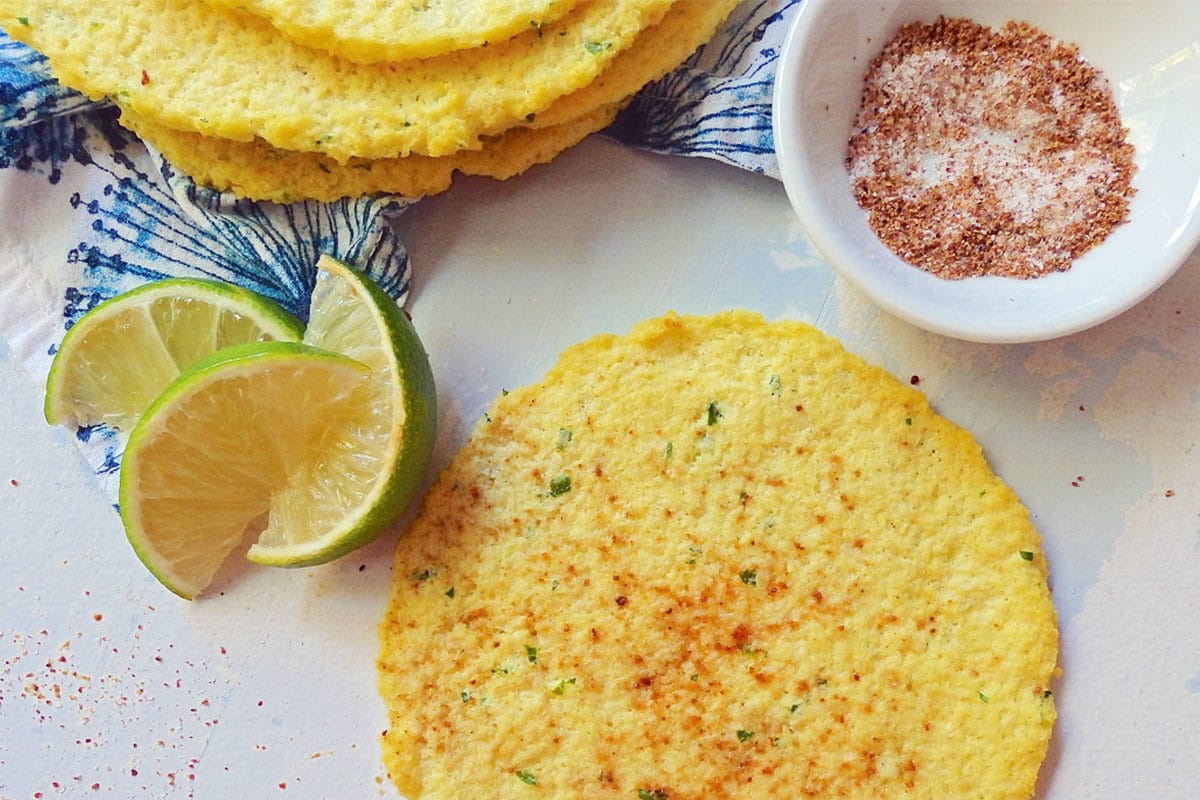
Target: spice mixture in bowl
[(995, 171), (981, 152)]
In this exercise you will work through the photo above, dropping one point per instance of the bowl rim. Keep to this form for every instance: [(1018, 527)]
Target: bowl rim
[(845, 255)]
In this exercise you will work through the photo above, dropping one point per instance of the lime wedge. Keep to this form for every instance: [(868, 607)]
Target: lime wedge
[(310, 452), (116, 359), (243, 431), (383, 453)]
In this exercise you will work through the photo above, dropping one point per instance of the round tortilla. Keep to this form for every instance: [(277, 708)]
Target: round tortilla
[(257, 171), (364, 31), (718, 557)]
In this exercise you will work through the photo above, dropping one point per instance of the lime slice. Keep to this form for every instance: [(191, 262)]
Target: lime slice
[(385, 453), (117, 358), (248, 429)]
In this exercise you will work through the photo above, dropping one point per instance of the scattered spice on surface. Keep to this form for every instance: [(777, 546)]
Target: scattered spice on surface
[(988, 152)]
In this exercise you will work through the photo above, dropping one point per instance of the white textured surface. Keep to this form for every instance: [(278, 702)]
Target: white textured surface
[(111, 687)]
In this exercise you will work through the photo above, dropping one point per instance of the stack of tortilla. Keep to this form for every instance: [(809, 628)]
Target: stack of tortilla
[(292, 99)]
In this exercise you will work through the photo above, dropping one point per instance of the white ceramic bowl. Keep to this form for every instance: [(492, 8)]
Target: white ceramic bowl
[(1150, 52)]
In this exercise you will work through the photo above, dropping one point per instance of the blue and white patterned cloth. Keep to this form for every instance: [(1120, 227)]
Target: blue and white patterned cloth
[(88, 212)]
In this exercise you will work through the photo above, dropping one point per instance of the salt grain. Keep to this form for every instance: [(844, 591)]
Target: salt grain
[(980, 152)]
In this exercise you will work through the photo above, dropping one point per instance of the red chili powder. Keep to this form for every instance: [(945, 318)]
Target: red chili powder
[(981, 152)]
